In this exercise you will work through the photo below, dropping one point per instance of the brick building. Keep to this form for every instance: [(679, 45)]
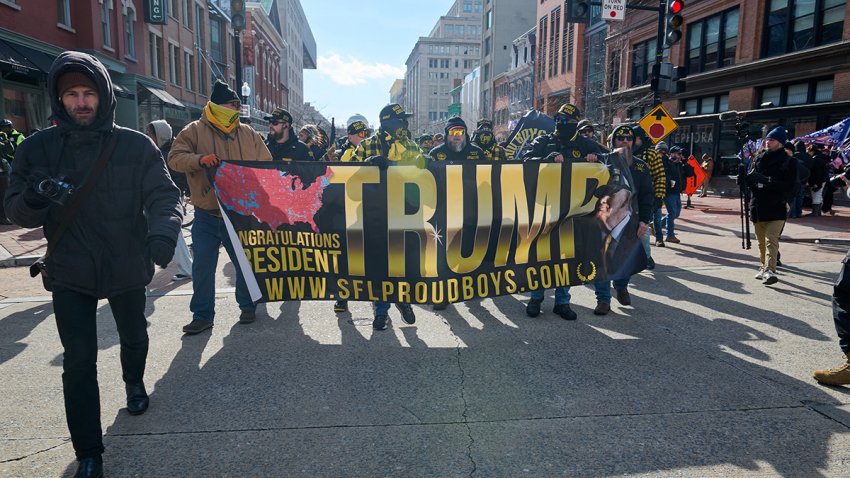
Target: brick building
[(776, 61), (558, 67), (263, 47), (159, 71)]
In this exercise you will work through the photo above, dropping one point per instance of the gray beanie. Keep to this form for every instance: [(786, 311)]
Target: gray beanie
[(661, 146), (162, 131)]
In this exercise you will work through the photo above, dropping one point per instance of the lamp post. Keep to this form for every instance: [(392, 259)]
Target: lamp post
[(246, 108)]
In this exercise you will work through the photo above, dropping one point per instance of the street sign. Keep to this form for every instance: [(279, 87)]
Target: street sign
[(155, 12), (658, 124), (614, 10)]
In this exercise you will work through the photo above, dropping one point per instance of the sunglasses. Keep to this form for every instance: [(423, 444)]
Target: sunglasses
[(562, 120), (363, 134), (624, 138), (457, 131)]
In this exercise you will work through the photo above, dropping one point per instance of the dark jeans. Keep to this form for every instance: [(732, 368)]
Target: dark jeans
[(208, 234), (841, 305), (76, 320), (4, 183), (828, 192)]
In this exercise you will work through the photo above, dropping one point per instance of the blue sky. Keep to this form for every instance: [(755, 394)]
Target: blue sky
[(361, 48)]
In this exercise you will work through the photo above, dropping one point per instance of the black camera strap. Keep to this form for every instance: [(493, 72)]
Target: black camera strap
[(83, 192)]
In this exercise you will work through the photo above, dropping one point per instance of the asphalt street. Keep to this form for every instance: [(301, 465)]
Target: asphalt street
[(708, 373)]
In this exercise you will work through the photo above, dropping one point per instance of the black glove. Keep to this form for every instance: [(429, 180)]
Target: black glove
[(380, 161), (755, 178), (35, 200), (161, 250), (816, 188)]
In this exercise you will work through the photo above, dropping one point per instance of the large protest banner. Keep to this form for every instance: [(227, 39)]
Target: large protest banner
[(445, 233)]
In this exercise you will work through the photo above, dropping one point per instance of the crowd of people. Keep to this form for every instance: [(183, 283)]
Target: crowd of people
[(110, 214)]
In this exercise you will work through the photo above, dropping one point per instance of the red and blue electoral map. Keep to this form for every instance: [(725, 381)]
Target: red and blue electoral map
[(272, 196)]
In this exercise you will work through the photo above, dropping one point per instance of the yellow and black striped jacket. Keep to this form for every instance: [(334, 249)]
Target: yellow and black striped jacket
[(656, 170), (383, 144)]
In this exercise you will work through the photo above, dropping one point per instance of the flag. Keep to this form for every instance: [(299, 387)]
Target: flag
[(530, 126), (831, 136), (692, 183)]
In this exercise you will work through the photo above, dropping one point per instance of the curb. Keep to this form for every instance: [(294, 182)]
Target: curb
[(832, 240), (20, 261)]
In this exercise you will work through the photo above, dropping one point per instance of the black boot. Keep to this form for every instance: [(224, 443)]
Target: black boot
[(137, 398), (90, 468)]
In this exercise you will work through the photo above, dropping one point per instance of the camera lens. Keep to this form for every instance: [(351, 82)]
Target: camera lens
[(47, 187)]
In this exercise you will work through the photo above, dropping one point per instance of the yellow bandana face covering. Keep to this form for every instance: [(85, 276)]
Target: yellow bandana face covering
[(222, 118)]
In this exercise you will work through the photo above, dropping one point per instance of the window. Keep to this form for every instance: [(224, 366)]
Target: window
[(614, 77), (643, 55), (706, 105), (186, 16), (555, 40), (173, 64), (541, 48), (567, 46), (793, 25), (188, 63), (64, 7), (199, 41), (215, 42), (174, 8), (800, 93), (155, 52), (712, 43), (130, 32), (106, 23), (489, 20)]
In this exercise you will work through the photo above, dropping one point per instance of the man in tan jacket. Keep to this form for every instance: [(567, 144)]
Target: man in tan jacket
[(202, 145)]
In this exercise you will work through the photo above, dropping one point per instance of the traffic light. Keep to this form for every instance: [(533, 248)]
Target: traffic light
[(237, 14), (674, 21), (578, 11)]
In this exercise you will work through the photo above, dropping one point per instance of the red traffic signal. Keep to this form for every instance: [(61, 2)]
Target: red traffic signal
[(674, 21), (676, 6)]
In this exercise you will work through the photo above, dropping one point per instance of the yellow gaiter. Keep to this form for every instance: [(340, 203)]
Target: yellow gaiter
[(222, 118)]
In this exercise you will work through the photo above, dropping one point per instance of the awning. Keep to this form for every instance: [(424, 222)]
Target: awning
[(121, 91), (164, 96), (24, 60)]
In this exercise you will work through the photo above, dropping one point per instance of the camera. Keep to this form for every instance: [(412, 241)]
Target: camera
[(836, 181), (57, 190)]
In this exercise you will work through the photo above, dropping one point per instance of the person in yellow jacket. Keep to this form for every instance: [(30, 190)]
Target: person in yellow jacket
[(201, 145), (391, 144), (357, 132)]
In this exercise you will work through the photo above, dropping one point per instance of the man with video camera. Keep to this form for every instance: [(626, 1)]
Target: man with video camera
[(110, 212)]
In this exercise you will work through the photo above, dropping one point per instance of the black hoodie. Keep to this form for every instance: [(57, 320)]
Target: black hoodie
[(103, 252)]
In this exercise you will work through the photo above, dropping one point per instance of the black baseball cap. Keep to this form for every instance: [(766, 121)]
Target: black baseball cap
[(393, 111), (356, 127), (279, 114)]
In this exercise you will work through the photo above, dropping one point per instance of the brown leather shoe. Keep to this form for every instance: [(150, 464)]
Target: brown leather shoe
[(673, 239), (602, 308), (623, 297)]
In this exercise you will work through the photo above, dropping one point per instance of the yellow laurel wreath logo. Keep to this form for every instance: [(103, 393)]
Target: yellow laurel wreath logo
[(589, 277), (576, 153)]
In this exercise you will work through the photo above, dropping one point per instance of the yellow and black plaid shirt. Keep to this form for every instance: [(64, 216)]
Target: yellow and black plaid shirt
[(656, 170), (382, 144), (496, 153)]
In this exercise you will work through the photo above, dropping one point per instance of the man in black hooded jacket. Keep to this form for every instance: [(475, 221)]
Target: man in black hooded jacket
[(457, 146), (128, 223)]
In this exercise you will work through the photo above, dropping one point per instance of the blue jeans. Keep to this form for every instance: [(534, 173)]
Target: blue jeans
[(562, 295), (673, 202), (656, 225), (382, 308), (208, 233), (603, 289), (797, 203)]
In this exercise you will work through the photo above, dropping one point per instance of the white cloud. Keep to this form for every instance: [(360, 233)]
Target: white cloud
[(352, 71)]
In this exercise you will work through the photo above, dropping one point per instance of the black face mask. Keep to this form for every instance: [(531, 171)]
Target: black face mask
[(485, 139), (566, 130), (397, 128)]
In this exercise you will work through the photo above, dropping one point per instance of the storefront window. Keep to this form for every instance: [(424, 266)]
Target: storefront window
[(26, 110)]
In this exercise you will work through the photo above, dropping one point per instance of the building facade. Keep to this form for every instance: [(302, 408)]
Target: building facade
[(521, 77), (263, 48), (448, 53), (397, 91), (777, 62), (558, 68), (470, 97), (502, 22), (159, 71), (293, 26)]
